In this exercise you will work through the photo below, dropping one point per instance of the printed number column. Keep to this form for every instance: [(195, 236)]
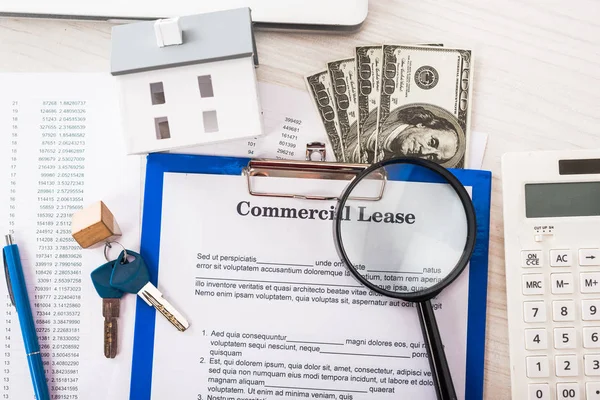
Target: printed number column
[(66, 320), (289, 138), (9, 311), (45, 228)]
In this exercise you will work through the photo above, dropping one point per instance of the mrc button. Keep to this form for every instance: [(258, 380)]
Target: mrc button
[(531, 258), (533, 284)]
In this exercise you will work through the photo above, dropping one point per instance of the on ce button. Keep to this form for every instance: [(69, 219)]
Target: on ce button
[(531, 258)]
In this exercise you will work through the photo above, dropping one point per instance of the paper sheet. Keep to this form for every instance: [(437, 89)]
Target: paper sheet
[(273, 312), (477, 143), (290, 123), (60, 150)]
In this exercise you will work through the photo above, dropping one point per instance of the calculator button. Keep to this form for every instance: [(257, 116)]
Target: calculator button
[(534, 311), (592, 391), (531, 259), (538, 367), (591, 337), (533, 284), (590, 310), (562, 283), (567, 391), (539, 391), (536, 339), (589, 257), (590, 282), (564, 338), (563, 310), (560, 258), (566, 365), (592, 364)]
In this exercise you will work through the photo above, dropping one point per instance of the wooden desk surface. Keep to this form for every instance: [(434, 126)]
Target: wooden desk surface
[(537, 85)]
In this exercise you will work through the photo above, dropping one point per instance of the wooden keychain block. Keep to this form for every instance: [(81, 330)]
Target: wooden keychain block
[(94, 224)]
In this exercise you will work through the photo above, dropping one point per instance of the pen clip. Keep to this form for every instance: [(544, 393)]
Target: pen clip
[(7, 274)]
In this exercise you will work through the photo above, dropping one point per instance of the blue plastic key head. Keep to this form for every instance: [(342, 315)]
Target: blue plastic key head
[(101, 279), (129, 275)]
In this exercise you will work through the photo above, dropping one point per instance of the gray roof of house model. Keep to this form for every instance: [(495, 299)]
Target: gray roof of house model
[(215, 36)]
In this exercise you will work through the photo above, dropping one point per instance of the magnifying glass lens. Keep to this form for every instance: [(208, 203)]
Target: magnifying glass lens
[(410, 240)]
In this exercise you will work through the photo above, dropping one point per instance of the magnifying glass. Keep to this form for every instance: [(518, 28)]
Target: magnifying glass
[(411, 243)]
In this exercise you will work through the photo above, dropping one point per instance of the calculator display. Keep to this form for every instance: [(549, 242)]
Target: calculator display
[(569, 199)]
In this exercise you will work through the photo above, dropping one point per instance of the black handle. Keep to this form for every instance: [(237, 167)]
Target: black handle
[(440, 372)]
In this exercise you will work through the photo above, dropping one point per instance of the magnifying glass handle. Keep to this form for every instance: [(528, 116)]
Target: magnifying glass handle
[(440, 372)]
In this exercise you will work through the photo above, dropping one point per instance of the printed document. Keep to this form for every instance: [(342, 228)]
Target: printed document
[(274, 313), (60, 150)]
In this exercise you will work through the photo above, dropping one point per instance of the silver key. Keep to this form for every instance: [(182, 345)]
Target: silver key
[(132, 276), (153, 297)]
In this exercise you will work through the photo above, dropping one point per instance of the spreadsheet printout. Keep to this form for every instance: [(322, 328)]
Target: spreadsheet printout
[(60, 150)]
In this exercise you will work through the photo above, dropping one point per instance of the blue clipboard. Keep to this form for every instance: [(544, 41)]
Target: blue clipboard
[(158, 164)]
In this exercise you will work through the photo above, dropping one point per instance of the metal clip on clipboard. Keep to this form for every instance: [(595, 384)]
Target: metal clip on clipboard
[(309, 170)]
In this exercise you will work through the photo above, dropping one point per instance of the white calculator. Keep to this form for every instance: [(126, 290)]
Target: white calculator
[(552, 252)]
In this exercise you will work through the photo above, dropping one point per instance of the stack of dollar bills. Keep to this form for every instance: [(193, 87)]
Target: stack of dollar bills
[(397, 100)]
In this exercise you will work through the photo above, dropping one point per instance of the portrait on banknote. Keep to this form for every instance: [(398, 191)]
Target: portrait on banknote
[(419, 130)]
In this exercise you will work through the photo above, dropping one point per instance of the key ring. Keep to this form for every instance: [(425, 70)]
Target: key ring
[(108, 245)]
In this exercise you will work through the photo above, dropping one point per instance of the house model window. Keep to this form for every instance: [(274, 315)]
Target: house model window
[(157, 93), (161, 125), (205, 84), (210, 121)]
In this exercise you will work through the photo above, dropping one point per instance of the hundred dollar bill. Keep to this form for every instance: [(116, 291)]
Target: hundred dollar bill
[(368, 75), (424, 105), (342, 74), (319, 87)]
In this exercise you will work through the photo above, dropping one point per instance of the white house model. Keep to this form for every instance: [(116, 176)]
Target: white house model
[(187, 81)]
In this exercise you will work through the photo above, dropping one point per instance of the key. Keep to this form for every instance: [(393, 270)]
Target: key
[(111, 301), (567, 365), (591, 364), (563, 310), (565, 338), (538, 367), (590, 310), (534, 311), (133, 277), (539, 391), (592, 390), (567, 391), (591, 337), (536, 339)]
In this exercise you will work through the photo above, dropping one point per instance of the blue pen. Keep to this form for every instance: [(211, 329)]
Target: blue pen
[(17, 290)]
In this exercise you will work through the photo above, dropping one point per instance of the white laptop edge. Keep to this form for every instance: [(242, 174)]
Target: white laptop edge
[(324, 15)]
